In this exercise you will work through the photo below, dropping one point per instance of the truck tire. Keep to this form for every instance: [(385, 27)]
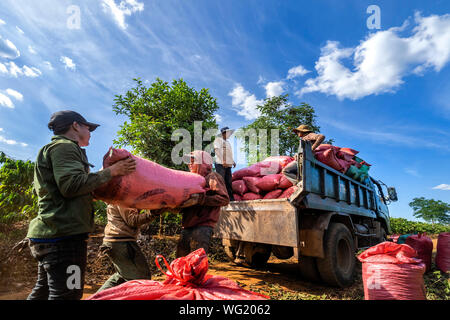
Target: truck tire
[(383, 235), (257, 254), (282, 252), (308, 269), (230, 252), (338, 266)]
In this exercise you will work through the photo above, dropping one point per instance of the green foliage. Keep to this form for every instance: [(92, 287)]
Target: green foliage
[(154, 113), (438, 285), (17, 199), (100, 216), (277, 113), (403, 226), (431, 210)]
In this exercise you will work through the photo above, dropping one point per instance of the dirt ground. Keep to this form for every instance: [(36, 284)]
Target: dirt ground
[(279, 279)]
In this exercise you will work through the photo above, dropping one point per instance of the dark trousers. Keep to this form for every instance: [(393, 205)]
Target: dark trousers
[(61, 270), (225, 172), (129, 262), (194, 238)]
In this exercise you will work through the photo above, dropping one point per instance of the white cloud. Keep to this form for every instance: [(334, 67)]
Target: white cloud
[(382, 60), (17, 71), (31, 50), (68, 63), (2, 22), (274, 89), (245, 103), (48, 65), (443, 187), (218, 118), (6, 101), (8, 50), (12, 142), (125, 8), (413, 172), (297, 71), (15, 94), (20, 30)]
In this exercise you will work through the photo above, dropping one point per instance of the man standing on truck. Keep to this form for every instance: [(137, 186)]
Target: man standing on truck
[(224, 158), (63, 183), (305, 133), (201, 212)]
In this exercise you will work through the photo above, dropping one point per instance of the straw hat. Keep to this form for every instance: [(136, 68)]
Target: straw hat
[(302, 128)]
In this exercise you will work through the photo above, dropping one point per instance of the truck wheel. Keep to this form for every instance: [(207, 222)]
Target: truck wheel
[(383, 235), (308, 269), (230, 252), (282, 252), (338, 266), (256, 254)]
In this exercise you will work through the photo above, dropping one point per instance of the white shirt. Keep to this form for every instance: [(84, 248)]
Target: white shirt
[(224, 154)]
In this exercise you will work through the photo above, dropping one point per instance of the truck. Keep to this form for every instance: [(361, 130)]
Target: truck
[(322, 225)]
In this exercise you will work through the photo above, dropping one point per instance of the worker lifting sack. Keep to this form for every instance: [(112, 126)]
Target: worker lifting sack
[(151, 186)]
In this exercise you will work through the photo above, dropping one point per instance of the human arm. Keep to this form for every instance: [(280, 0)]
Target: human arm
[(320, 138), (70, 174), (133, 218)]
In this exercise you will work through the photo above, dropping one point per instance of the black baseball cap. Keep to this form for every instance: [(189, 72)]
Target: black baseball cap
[(62, 119)]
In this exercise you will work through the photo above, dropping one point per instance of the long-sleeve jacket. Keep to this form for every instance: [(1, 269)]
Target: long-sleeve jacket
[(207, 211), (64, 186), (123, 223)]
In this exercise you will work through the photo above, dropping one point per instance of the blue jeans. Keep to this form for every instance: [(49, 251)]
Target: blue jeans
[(61, 270)]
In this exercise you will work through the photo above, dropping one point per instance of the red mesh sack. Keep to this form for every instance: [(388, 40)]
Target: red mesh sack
[(251, 196), (237, 197), (329, 158), (288, 192), (239, 187), (151, 186), (391, 271), (251, 171), (284, 182), (282, 160), (349, 151), (186, 279), (324, 147), (443, 252), (424, 247), (269, 183), (273, 194), (267, 167), (251, 183)]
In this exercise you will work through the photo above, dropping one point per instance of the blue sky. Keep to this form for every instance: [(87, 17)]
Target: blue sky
[(384, 92)]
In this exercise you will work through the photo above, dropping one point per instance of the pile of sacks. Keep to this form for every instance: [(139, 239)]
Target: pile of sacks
[(263, 180), (343, 160)]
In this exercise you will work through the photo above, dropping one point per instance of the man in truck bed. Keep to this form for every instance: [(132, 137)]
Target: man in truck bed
[(305, 133)]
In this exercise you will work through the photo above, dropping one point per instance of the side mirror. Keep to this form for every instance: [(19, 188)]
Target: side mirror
[(392, 194)]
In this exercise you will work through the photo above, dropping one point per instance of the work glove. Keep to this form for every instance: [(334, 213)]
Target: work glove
[(196, 198)]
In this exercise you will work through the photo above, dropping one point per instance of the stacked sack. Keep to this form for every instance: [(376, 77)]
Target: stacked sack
[(263, 180), (392, 271), (343, 160)]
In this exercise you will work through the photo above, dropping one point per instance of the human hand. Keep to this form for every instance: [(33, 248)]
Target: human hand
[(192, 201), (123, 167)]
